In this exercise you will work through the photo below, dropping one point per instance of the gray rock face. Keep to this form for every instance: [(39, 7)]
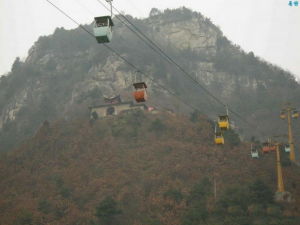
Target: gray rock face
[(191, 34)]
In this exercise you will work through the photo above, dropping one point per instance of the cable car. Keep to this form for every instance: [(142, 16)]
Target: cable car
[(140, 93), (282, 114), (223, 122), (265, 147), (219, 139), (103, 29), (254, 152), (268, 147), (272, 147), (287, 148), (295, 114)]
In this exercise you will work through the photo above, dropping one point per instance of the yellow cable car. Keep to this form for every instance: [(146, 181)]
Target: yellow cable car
[(295, 114), (223, 122), (219, 139)]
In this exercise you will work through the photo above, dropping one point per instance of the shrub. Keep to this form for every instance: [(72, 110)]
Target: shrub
[(24, 218), (195, 215), (174, 194), (260, 193), (44, 206), (273, 210), (107, 210), (157, 126), (256, 209)]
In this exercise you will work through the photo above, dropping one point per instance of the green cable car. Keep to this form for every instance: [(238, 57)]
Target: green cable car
[(103, 29)]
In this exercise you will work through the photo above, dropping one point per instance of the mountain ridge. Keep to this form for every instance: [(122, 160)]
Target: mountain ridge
[(68, 71)]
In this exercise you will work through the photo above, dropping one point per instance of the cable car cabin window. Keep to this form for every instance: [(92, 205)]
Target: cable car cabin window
[(265, 144), (223, 118), (103, 21), (219, 134), (140, 85), (100, 24)]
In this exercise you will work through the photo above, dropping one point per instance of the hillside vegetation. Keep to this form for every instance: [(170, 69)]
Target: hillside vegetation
[(141, 169)]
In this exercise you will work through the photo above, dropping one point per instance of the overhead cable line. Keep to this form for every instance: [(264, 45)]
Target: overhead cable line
[(133, 66), (138, 34), (161, 52), (120, 56)]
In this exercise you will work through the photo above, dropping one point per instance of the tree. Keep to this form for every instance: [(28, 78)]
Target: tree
[(195, 116), (260, 193), (234, 196), (200, 192), (174, 194), (25, 217), (154, 12), (195, 215), (107, 210), (157, 126), (232, 138), (197, 201), (16, 65)]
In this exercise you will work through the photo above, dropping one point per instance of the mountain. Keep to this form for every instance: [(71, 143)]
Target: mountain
[(141, 168), (68, 71)]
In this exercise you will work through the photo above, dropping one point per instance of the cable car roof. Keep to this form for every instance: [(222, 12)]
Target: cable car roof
[(103, 19), (140, 85)]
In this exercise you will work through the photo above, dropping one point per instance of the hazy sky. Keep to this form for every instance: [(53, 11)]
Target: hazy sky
[(269, 28)]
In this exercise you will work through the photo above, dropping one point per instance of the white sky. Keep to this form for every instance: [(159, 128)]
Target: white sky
[(269, 28)]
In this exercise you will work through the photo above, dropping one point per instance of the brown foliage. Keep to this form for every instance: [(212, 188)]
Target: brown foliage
[(72, 166)]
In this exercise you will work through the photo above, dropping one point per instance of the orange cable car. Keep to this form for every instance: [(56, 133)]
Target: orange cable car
[(140, 93), (282, 114), (268, 147)]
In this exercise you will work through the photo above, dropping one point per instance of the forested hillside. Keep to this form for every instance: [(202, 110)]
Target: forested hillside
[(68, 71), (141, 168)]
